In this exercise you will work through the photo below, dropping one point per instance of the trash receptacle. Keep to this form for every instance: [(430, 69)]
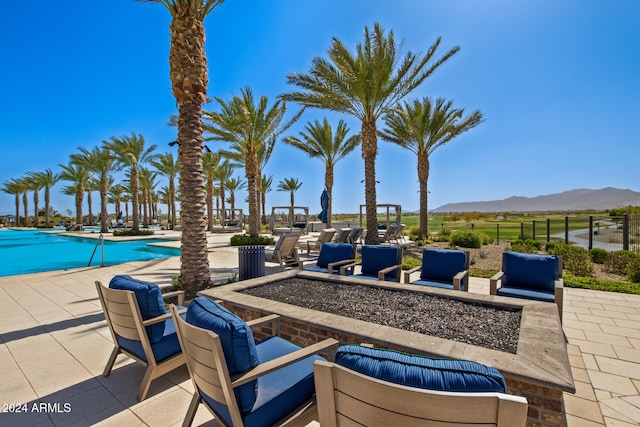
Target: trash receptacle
[(251, 262)]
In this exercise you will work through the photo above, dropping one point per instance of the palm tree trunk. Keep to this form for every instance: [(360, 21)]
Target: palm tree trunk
[(47, 201), (135, 190), (25, 202), (172, 196), (423, 177), (194, 269), (145, 207), (90, 202), (328, 184), (210, 204), (369, 152), (254, 181), (79, 199), (36, 214), (17, 210), (104, 201)]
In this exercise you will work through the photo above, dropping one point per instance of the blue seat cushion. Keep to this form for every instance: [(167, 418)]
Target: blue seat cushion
[(162, 349), (441, 265), (526, 294), (421, 372), (434, 284), (279, 392), (149, 299), (530, 271), (237, 342), (376, 258), (334, 252)]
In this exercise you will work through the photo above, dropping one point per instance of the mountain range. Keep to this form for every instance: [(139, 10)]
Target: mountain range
[(573, 200)]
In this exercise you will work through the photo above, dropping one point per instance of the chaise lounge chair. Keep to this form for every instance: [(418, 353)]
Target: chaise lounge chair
[(141, 327), (325, 236), (342, 235), (243, 382), (375, 387), (442, 268), (285, 252)]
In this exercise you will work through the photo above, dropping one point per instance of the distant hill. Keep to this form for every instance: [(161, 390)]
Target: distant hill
[(574, 200)]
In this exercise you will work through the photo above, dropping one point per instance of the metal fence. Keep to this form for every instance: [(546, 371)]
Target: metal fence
[(609, 233)]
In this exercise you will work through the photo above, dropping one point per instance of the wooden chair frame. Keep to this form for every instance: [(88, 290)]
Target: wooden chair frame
[(325, 236), (286, 251), (124, 319), (208, 370), (345, 396)]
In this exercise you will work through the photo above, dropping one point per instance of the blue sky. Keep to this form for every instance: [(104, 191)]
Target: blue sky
[(557, 81)]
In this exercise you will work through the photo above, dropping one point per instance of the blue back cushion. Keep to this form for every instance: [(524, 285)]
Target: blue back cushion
[(377, 257), (421, 372), (442, 264), (237, 343), (149, 300), (334, 252), (530, 271)]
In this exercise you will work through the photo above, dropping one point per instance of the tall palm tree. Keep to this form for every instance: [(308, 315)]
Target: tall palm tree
[(148, 185), (15, 188), (170, 168), (102, 163), (79, 176), (290, 185), (366, 86), (421, 128), (252, 130), (47, 180), (266, 188), (223, 174), (319, 142), (233, 185), (130, 152), (210, 163), (118, 193), (34, 184), (189, 80)]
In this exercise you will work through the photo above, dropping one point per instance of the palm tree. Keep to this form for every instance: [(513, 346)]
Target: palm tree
[(130, 153), (102, 163), (319, 142), (266, 188), (148, 185), (167, 166), (33, 184), (223, 174), (47, 180), (290, 185), (15, 188), (233, 185), (252, 130), (118, 193), (422, 127), (189, 80), (210, 163), (366, 86), (79, 176)]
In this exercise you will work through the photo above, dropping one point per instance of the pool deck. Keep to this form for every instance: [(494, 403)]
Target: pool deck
[(54, 344)]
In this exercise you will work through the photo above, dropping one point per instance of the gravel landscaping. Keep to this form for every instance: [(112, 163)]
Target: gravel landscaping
[(486, 326)]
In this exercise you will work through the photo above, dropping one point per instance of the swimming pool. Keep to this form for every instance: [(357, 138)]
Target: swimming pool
[(32, 251)]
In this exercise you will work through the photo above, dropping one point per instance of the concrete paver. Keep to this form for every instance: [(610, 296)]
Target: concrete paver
[(54, 343)]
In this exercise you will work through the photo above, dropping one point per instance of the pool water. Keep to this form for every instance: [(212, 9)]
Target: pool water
[(31, 251)]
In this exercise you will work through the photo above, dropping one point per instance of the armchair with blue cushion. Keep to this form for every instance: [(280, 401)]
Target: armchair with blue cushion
[(243, 382), (530, 276), (141, 327), (377, 387), (331, 257), (379, 262), (442, 268)]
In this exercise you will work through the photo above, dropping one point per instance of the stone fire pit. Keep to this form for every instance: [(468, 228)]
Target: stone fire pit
[(538, 370)]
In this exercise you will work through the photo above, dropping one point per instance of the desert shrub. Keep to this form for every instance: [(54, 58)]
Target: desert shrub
[(442, 235), (247, 239), (131, 232), (575, 259), (409, 262), (598, 255), (466, 239), (550, 246), (618, 261), (633, 270), (600, 285), (522, 246), (486, 239), (535, 243)]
